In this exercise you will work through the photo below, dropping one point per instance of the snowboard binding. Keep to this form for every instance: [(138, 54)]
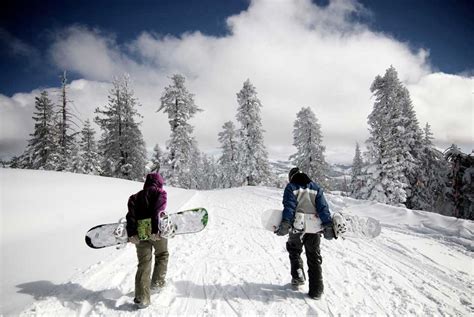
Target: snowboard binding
[(121, 232), (165, 226)]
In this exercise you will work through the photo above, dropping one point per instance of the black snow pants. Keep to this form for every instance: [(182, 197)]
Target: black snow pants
[(311, 243)]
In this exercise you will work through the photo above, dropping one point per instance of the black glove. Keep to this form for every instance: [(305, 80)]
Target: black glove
[(328, 232), (283, 228)]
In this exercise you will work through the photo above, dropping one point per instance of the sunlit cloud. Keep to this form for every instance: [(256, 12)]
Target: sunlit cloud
[(295, 53)]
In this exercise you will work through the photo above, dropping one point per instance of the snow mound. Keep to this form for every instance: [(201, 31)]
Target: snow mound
[(459, 231)]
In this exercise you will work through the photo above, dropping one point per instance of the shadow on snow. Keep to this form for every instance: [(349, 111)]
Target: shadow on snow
[(78, 298), (74, 296), (249, 291)]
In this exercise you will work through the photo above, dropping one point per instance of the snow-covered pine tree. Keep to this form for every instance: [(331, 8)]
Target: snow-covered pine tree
[(66, 134), (308, 140), (179, 104), (194, 176), (122, 145), (41, 148), (357, 177), (157, 158), (386, 181), (89, 160), (427, 192), (460, 184), (209, 178), (410, 141), (253, 157), (135, 157), (75, 161), (15, 162), (229, 169)]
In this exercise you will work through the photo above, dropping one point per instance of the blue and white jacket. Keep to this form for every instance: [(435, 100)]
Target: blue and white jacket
[(290, 199)]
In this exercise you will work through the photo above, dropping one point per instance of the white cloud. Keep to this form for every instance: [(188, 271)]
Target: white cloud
[(446, 102), (295, 53), (87, 52), (15, 117)]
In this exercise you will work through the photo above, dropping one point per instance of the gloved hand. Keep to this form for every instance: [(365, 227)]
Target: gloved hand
[(328, 232), (155, 237), (168, 234), (283, 228), (134, 239)]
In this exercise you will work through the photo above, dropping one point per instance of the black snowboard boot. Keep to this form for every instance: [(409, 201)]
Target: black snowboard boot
[(316, 285), (315, 295), (300, 279)]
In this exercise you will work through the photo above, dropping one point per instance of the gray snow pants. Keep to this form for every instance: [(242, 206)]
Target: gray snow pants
[(311, 243), (142, 278)]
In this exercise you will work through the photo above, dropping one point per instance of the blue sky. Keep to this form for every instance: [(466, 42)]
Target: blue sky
[(298, 53), (35, 22), (444, 27)]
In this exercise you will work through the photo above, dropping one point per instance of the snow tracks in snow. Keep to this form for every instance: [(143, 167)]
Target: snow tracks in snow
[(234, 267)]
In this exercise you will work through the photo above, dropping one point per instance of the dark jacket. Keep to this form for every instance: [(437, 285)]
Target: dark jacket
[(290, 200), (147, 203)]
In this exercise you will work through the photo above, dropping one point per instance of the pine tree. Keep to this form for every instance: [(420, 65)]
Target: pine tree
[(460, 185), (66, 134), (253, 156), (427, 192), (229, 169), (75, 160), (157, 158), (194, 176), (410, 141), (357, 178), (179, 104), (41, 149), (122, 145), (209, 178), (387, 181), (308, 139), (89, 160)]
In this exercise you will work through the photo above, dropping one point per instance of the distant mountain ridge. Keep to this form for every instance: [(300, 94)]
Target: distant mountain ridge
[(335, 170)]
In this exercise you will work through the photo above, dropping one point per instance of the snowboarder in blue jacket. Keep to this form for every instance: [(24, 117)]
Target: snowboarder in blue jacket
[(303, 195)]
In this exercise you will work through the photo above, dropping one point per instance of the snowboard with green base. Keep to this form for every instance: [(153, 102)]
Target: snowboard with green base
[(112, 234)]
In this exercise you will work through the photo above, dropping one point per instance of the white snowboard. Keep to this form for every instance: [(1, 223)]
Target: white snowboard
[(271, 219), (184, 222), (357, 226), (361, 227)]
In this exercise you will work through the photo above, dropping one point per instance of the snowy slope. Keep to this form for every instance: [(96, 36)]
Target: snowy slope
[(421, 264), (44, 216)]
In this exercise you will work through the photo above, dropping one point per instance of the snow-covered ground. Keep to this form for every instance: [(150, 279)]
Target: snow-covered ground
[(421, 264)]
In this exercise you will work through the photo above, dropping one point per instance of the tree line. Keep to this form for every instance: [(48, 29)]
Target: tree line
[(121, 152), (400, 167)]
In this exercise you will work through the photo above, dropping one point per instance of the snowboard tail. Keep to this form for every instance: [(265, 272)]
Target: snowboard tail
[(183, 222), (357, 226)]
